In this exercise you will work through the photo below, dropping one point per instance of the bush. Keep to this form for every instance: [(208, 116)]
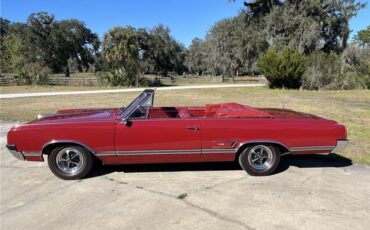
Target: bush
[(32, 74), (119, 77), (284, 69), (322, 70), (350, 70), (356, 67)]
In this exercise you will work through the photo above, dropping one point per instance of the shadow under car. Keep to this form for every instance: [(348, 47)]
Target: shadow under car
[(301, 161)]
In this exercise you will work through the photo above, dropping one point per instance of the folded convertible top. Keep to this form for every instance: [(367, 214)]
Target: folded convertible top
[(234, 110)]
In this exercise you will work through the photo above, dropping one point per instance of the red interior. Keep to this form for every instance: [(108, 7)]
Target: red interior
[(211, 110)]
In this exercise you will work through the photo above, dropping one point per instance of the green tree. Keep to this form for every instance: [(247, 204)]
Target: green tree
[(283, 69), (250, 43), (258, 8), (161, 52), (362, 37), (233, 46), (307, 25), (54, 43), (39, 29), (14, 48), (73, 42), (121, 49), (195, 57), (221, 58)]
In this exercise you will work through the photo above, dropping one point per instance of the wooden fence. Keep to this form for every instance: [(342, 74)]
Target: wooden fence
[(171, 80), (74, 81)]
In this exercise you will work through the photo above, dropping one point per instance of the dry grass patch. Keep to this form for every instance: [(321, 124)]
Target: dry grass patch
[(351, 108), (48, 88)]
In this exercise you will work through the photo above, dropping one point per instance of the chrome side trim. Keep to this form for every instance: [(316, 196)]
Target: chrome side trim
[(219, 150), (67, 142), (106, 153), (311, 148), (32, 154), (160, 152), (165, 152), (291, 149), (341, 145), (262, 141)]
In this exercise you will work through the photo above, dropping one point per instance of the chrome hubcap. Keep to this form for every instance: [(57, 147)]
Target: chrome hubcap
[(69, 161), (260, 158)]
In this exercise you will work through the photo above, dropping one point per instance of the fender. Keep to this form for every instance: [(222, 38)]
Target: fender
[(53, 142), (242, 144)]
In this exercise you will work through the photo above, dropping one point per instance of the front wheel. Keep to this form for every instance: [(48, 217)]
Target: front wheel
[(70, 162), (259, 160)]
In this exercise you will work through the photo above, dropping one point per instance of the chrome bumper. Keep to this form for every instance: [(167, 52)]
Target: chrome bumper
[(13, 150), (341, 145)]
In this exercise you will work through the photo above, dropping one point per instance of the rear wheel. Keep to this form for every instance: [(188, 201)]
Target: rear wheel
[(70, 162), (259, 159)]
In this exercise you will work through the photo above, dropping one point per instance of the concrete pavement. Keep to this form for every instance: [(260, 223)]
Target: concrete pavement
[(17, 95), (306, 193)]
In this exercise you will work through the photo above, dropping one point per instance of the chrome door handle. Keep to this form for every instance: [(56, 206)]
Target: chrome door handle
[(193, 128)]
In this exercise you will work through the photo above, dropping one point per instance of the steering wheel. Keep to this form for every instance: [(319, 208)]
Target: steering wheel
[(142, 110)]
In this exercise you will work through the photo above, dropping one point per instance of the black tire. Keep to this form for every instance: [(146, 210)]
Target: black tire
[(255, 163), (80, 162)]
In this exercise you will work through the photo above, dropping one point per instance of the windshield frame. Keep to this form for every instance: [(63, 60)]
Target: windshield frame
[(127, 111)]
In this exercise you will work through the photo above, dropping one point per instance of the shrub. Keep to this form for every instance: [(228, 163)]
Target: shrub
[(350, 70), (356, 67), (283, 69), (32, 74), (322, 70), (118, 77)]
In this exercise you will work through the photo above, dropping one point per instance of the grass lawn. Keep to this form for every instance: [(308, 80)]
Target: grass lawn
[(351, 108)]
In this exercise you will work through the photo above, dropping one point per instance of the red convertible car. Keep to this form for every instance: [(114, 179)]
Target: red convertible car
[(74, 139)]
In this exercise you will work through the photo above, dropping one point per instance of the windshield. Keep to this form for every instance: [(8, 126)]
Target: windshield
[(131, 105), (144, 100)]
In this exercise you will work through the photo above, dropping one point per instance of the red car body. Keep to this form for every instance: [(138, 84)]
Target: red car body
[(215, 132)]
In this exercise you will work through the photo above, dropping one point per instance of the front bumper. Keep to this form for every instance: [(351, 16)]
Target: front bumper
[(341, 145), (13, 150)]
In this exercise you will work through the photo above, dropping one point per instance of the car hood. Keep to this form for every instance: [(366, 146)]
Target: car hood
[(77, 115)]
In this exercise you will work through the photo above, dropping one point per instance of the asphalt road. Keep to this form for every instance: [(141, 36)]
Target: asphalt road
[(42, 94), (306, 193)]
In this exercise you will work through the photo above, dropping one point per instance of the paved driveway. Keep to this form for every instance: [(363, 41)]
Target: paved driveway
[(306, 193), (17, 95)]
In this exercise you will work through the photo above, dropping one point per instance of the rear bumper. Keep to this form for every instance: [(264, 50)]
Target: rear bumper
[(341, 145), (13, 150)]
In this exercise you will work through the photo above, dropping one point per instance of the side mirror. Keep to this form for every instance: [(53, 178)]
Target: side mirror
[(126, 122)]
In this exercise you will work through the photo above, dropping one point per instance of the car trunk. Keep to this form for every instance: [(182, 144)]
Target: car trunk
[(287, 113)]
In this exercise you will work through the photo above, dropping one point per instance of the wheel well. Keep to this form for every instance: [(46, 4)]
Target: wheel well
[(49, 147), (281, 148)]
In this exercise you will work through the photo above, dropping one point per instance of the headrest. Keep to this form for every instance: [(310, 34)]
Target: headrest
[(184, 113)]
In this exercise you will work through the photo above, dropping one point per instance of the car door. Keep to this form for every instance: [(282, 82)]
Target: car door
[(220, 138), (158, 140)]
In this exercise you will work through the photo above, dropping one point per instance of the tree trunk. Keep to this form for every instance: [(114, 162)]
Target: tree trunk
[(66, 73)]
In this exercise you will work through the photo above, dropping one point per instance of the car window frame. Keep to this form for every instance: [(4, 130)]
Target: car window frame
[(135, 106)]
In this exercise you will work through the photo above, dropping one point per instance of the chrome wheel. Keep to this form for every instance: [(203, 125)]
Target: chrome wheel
[(70, 160), (260, 158)]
